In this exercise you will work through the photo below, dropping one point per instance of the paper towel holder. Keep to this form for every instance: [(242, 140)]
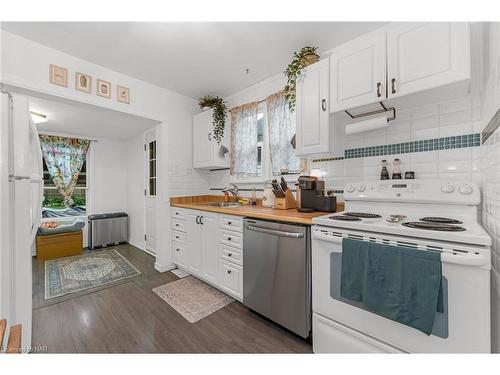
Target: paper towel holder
[(384, 109)]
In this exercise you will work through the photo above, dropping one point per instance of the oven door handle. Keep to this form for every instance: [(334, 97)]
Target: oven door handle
[(464, 259), (446, 257)]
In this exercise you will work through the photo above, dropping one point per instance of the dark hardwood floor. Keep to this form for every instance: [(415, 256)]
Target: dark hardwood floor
[(127, 317)]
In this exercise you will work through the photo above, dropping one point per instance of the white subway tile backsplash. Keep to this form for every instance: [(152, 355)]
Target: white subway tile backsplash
[(455, 117)]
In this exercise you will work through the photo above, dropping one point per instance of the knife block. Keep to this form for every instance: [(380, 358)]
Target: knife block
[(287, 202)]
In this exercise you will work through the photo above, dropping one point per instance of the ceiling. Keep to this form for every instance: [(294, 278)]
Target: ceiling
[(193, 59), (88, 121)]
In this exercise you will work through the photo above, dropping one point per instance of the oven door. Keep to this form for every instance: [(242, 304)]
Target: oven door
[(463, 327)]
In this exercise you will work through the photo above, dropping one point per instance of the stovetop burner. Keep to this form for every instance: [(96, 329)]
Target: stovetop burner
[(363, 215), (443, 220), (434, 226), (345, 218)]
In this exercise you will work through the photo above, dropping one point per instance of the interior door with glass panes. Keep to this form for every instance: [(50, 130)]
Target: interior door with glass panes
[(150, 191)]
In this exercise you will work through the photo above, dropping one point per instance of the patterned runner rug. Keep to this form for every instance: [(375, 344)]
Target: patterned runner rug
[(73, 274)]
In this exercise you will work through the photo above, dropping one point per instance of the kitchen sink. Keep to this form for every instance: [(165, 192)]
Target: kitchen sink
[(223, 204)]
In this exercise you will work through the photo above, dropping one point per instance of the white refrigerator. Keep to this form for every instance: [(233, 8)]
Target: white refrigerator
[(21, 194)]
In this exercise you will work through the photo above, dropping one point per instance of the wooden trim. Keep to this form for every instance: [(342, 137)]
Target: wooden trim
[(3, 326), (14, 343)]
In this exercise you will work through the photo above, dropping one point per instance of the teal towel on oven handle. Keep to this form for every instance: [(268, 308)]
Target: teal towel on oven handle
[(399, 283)]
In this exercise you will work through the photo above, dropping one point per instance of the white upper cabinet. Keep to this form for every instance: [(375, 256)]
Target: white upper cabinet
[(400, 59), (312, 109), (358, 72), (422, 56), (205, 149)]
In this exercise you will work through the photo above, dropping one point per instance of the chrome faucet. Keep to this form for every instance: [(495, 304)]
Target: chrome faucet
[(233, 190)]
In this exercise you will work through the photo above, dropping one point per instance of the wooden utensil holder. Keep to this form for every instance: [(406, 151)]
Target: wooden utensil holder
[(287, 202)]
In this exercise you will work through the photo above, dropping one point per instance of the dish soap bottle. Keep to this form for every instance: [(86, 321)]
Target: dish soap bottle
[(396, 173), (384, 173)]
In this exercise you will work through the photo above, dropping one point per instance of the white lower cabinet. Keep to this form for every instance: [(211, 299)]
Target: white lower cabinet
[(209, 246), (231, 278)]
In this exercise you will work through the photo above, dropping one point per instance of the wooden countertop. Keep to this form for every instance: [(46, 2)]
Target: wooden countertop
[(257, 212)]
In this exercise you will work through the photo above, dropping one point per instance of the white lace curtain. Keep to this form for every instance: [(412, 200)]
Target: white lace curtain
[(244, 157), (281, 124)]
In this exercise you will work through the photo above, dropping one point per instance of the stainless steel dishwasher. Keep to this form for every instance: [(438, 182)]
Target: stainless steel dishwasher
[(277, 273)]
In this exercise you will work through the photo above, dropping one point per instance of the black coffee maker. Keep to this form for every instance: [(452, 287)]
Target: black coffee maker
[(311, 195)]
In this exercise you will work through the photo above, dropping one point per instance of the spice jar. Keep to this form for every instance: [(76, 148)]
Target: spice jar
[(384, 173), (396, 173)]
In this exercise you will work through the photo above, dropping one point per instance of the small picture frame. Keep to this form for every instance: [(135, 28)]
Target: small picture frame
[(58, 75), (123, 94), (83, 82), (103, 88)]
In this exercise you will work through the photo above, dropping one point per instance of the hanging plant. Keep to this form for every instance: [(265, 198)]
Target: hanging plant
[(218, 117), (302, 58)]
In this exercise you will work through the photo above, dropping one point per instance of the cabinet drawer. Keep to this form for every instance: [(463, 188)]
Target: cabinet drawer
[(179, 237), (231, 254), (228, 237), (231, 222), (179, 254), (178, 225), (178, 213), (231, 279)]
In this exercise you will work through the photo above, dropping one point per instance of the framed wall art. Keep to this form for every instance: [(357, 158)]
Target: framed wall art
[(123, 94), (58, 75), (83, 82), (103, 88)]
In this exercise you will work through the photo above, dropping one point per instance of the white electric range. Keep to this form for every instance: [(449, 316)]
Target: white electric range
[(427, 215)]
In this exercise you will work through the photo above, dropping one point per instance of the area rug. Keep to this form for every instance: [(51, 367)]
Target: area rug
[(192, 298), (73, 274)]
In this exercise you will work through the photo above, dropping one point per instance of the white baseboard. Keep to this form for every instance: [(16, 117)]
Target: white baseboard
[(166, 268), (139, 244)]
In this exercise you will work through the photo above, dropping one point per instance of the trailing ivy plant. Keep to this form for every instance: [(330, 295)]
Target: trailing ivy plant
[(302, 58), (218, 117)]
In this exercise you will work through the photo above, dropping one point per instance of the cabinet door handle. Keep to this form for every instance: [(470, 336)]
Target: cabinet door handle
[(323, 104), (201, 220), (229, 254), (197, 220), (210, 136), (393, 82), (177, 249), (228, 223), (177, 213), (228, 271), (177, 224), (177, 237), (379, 94), (229, 238)]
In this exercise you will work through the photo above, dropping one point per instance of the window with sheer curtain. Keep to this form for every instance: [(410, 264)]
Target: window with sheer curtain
[(261, 140)]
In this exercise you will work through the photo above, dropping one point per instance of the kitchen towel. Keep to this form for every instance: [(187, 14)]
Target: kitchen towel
[(399, 283)]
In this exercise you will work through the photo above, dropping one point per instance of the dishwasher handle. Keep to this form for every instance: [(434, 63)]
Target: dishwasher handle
[(275, 232)]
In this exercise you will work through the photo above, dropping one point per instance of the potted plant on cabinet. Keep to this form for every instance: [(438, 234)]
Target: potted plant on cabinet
[(302, 58), (219, 114)]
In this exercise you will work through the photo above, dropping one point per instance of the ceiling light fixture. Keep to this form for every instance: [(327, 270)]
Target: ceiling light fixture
[(38, 118)]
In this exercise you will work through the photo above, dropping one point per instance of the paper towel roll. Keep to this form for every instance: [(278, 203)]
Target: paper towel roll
[(366, 125)]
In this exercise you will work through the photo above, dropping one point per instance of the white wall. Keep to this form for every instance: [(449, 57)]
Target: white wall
[(25, 65), (134, 187), (490, 155), (107, 176)]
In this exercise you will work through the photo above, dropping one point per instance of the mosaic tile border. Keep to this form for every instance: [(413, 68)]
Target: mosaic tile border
[(444, 143)]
